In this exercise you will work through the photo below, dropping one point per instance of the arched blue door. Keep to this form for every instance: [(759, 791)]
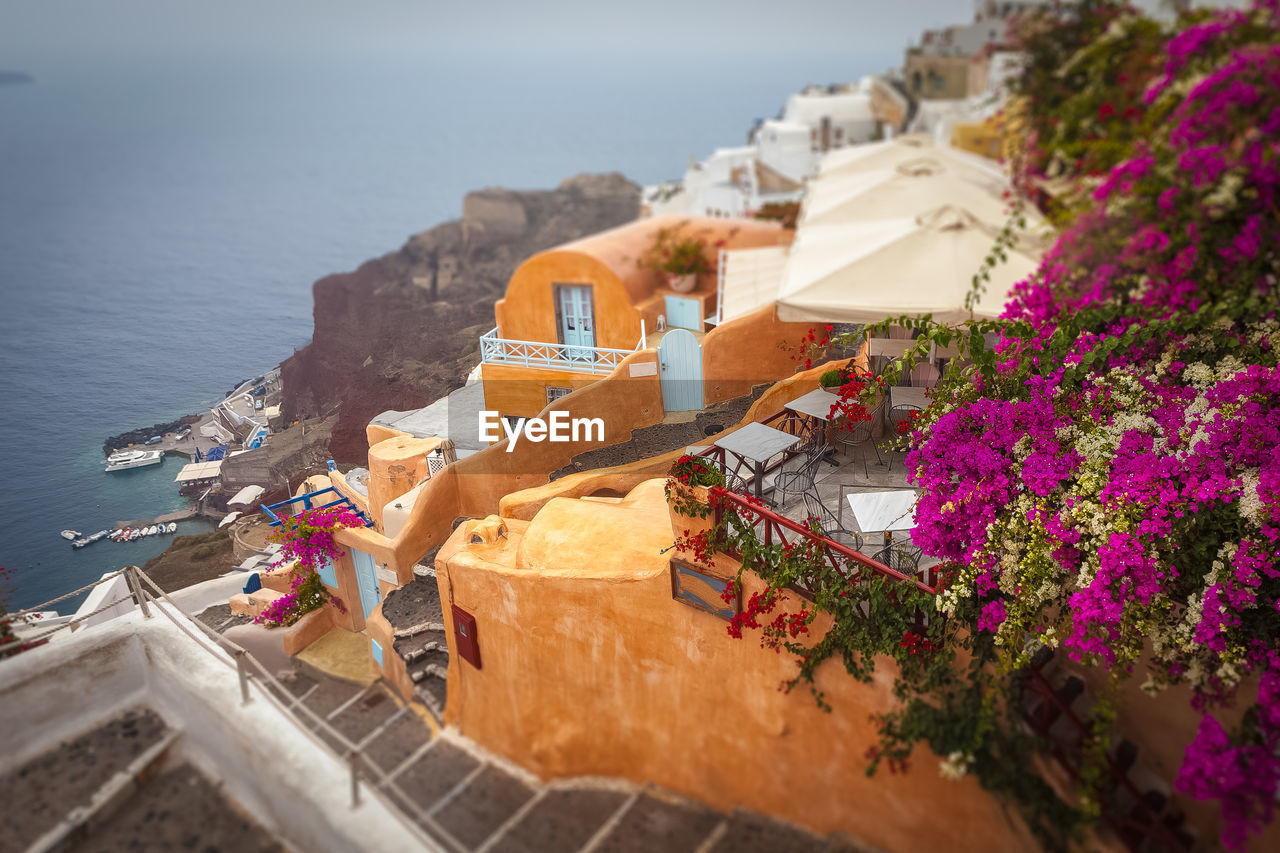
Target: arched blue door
[(680, 368)]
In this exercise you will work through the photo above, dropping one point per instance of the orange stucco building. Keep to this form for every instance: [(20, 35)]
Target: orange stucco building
[(572, 313)]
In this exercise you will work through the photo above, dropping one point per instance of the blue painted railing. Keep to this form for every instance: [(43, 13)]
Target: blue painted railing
[(311, 501)]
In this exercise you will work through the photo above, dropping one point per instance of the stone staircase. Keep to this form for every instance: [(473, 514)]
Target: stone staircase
[(468, 801), (465, 799), (121, 785), (1137, 806), (416, 614)]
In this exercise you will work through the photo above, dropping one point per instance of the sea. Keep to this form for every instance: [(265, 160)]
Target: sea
[(162, 221)]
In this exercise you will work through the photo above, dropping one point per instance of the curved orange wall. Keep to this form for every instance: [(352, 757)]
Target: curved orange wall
[(590, 668)]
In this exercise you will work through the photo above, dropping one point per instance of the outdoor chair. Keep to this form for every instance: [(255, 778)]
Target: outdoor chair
[(897, 415), (798, 426), (830, 525), (800, 479), (900, 558), (924, 375), (859, 433)]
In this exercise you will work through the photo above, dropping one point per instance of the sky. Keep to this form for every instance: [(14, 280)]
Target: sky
[(35, 33)]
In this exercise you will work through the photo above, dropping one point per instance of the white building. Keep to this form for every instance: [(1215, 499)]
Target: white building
[(781, 154)]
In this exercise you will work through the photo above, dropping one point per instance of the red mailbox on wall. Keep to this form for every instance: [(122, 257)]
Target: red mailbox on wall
[(465, 639)]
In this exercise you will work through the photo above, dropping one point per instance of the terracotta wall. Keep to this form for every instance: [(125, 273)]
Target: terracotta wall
[(745, 352), (591, 668), (610, 263), (393, 667), (396, 465)]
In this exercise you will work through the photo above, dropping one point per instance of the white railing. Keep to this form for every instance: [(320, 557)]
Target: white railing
[(494, 349), (367, 777)]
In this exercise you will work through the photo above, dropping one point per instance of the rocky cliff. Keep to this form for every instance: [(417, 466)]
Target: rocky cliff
[(402, 330)]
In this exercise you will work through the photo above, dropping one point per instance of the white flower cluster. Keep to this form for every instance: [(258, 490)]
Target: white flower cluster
[(955, 766), (1250, 505), (1223, 197)]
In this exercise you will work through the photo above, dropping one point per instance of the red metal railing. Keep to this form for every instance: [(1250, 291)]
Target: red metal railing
[(774, 529), (1135, 832)]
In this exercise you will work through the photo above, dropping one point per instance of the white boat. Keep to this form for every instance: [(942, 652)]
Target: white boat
[(70, 534), (171, 527), (126, 459), (152, 531)]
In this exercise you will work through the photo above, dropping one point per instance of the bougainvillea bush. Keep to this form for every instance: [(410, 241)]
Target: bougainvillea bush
[(307, 543), (1111, 480), (1106, 480)]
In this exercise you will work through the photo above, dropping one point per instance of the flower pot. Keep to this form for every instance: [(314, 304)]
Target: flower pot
[(684, 521), (682, 283)]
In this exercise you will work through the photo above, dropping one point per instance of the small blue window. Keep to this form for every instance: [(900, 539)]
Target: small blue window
[(377, 651), (328, 575)]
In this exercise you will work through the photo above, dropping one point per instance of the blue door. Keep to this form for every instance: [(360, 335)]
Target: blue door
[(680, 368), (577, 320), (366, 580), (684, 313)]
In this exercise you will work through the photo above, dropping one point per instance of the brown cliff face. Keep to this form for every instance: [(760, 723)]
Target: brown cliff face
[(402, 330)]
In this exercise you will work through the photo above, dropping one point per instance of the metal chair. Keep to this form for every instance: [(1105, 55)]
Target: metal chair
[(830, 525), (797, 425), (925, 375), (900, 558), (860, 433), (897, 415), (801, 479)]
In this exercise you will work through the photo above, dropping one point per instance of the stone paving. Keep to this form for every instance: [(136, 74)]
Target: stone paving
[(119, 786)]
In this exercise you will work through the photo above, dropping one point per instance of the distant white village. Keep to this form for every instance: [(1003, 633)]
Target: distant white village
[(949, 86)]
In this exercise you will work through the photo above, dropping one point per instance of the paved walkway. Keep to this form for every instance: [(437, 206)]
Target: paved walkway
[(469, 801)]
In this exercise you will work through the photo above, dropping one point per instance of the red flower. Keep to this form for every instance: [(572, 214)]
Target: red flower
[(1105, 112)]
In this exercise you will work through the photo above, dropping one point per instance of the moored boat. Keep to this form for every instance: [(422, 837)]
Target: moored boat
[(69, 534), (126, 459)]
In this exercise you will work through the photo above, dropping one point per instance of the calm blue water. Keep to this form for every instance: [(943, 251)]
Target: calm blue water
[(160, 228)]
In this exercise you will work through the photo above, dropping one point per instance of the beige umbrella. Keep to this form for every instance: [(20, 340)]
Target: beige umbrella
[(891, 194), (913, 154), (863, 272)]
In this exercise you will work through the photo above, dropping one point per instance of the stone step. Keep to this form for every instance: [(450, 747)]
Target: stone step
[(749, 832), (561, 819), (48, 796), (178, 809), (482, 806), (658, 821)]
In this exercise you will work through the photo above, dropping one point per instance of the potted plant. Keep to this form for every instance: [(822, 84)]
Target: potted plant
[(832, 378), (688, 491), (679, 256)]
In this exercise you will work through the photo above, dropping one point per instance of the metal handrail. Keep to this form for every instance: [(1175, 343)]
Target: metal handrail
[(242, 660), (777, 527), (1153, 828), (556, 356)]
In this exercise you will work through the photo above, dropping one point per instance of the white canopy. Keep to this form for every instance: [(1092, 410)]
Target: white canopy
[(910, 154), (864, 196), (246, 496), (863, 272), (199, 471), (750, 279), (229, 518)]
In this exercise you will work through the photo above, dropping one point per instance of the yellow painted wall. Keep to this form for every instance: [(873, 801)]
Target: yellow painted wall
[(984, 138), (591, 668), (522, 391)]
